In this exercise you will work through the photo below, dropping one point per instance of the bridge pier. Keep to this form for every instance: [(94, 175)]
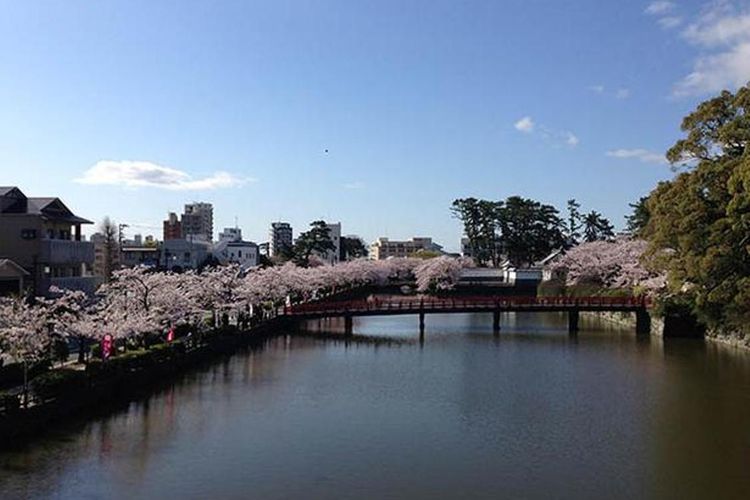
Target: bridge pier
[(348, 325), (573, 321), (642, 322), (496, 322)]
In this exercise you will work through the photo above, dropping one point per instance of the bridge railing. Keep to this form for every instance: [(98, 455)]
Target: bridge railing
[(427, 304)]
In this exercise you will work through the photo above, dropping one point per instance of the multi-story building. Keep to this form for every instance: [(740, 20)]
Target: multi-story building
[(178, 255), (279, 238), (43, 236), (198, 222), (332, 256), (134, 256), (384, 248), (231, 234), (172, 227)]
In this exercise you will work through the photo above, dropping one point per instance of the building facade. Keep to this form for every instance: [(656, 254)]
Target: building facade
[(43, 236), (172, 227), (198, 222), (179, 255), (280, 238), (383, 248)]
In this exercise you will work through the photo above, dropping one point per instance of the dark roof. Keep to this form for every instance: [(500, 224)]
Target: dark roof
[(7, 263), (6, 189), (42, 206)]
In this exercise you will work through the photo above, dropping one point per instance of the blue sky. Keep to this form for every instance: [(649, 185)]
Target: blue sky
[(131, 109)]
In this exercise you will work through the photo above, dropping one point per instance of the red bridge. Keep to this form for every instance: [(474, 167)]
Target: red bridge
[(490, 304)]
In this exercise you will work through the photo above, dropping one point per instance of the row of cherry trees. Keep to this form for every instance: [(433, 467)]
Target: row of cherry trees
[(618, 263), (137, 301)]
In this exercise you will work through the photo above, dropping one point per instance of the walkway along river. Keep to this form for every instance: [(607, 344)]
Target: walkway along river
[(530, 413)]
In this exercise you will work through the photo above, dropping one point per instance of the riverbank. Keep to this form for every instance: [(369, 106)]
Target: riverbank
[(65, 393), (732, 339), (626, 319)]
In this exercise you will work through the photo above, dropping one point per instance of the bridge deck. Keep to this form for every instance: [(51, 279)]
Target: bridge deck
[(397, 306)]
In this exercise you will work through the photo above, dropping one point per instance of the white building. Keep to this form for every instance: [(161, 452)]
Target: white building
[(231, 234), (244, 253)]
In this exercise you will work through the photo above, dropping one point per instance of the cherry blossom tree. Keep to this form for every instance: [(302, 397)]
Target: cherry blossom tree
[(609, 264), (24, 335), (440, 273)]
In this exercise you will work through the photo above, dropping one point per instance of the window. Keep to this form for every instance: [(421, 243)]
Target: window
[(28, 234)]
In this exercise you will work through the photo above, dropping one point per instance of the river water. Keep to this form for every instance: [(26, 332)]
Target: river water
[(532, 413)]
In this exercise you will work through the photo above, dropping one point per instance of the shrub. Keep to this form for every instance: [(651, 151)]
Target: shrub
[(55, 383)]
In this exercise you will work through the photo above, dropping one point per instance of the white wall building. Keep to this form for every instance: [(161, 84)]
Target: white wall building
[(244, 253)]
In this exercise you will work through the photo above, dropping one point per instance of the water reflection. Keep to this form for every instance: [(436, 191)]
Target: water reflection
[(530, 413)]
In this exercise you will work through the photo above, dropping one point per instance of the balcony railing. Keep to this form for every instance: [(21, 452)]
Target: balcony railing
[(66, 252)]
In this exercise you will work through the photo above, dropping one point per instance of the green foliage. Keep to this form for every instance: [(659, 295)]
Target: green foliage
[(699, 226), (573, 227), (522, 229), (529, 230), (352, 248), (480, 219), (425, 254), (317, 239), (59, 382), (596, 227), (638, 220)]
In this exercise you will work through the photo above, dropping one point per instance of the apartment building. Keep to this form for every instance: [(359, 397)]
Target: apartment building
[(383, 248), (43, 236), (279, 238)]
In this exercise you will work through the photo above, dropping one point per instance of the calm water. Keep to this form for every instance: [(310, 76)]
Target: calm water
[(531, 414)]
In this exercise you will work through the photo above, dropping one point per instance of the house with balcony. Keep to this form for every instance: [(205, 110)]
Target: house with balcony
[(43, 236)]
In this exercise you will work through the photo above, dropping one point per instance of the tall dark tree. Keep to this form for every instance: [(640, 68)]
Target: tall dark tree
[(352, 248), (573, 226), (479, 218), (529, 230), (638, 219), (111, 247), (316, 239), (596, 227), (699, 225)]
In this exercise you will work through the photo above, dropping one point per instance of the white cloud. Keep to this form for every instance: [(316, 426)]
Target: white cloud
[(670, 22), (722, 34), (135, 174), (642, 155), (525, 124), (354, 185), (621, 93), (659, 7), (571, 140)]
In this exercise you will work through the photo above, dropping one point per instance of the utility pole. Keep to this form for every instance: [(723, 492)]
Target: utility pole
[(120, 228)]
